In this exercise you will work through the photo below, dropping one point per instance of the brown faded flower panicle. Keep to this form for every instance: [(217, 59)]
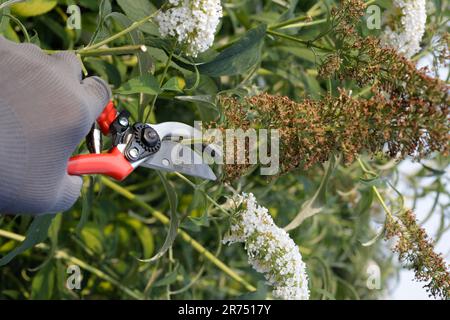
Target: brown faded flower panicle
[(415, 248), (312, 130), (369, 63)]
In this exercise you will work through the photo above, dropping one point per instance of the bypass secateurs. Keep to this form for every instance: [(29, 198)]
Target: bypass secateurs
[(155, 146)]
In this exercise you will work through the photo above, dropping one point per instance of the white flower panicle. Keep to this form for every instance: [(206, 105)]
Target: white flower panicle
[(270, 249), (413, 20), (192, 22)]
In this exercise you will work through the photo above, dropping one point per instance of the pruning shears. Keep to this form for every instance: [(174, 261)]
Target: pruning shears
[(154, 146)]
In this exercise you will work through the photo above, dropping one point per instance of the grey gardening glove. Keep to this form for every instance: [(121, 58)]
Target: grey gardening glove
[(46, 109)]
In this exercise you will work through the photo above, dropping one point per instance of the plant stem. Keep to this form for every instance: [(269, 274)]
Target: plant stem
[(112, 51), (291, 38), (296, 23), (63, 255), (184, 235), (132, 27), (161, 81), (218, 206), (375, 190)]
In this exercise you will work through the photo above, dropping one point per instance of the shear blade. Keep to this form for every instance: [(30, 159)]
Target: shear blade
[(178, 129), (169, 158)]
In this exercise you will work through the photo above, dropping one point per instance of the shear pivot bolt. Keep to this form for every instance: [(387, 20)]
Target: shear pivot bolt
[(150, 137), (123, 122), (134, 153)]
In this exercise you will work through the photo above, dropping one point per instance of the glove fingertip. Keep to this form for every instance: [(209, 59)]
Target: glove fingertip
[(69, 193), (98, 94), (71, 60)]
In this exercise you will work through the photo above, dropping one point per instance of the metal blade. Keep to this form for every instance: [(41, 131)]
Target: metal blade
[(178, 129), (167, 159)]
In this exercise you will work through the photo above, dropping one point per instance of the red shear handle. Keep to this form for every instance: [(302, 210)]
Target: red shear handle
[(112, 164), (107, 117)]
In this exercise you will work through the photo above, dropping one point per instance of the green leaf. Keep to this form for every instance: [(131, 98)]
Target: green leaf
[(55, 27), (36, 233), (144, 58), (374, 182), (379, 234), (170, 278), (239, 57), (174, 84), (92, 238), (8, 3), (143, 84), (43, 283), (259, 294), (101, 32), (34, 39), (206, 99), (53, 233), (303, 53), (144, 234), (317, 203), (138, 10), (312, 86), (33, 8), (87, 196), (105, 69), (174, 220), (195, 224), (206, 105)]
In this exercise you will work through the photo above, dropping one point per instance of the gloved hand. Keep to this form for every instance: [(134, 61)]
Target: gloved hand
[(46, 109)]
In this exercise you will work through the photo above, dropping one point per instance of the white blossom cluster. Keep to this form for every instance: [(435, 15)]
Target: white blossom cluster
[(413, 20), (192, 22), (270, 249)]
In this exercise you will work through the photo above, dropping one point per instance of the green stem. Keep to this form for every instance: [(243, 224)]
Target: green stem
[(21, 26), (130, 49), (296, 23), (113, 51), (132, 27), (161, 81), (375, 189), (218, 206), (184, 235), (291, 38)]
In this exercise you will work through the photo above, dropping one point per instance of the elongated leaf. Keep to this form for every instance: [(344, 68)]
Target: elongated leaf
[(36, 233), (92, 238), (379, 235), (205, 103), (144, 234), (209, 100), (174, 84), (53, 233), (259, 294), (43, 283), (239, 57), (317, 202), (170, 278), (87, 196), (137, 10), (9, 3), (101, 31), (143, 84), (144, 58), (174, 220)]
